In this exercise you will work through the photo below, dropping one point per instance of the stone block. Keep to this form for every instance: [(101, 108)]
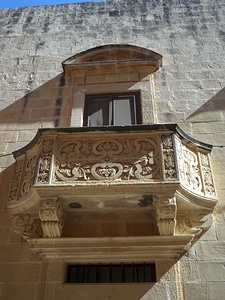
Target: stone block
[(7, 272), (158, 291), (201, 116), (55, 271), (19, 291), (212, 271), (196, 290), (216, 290), (189, 271), (28, 273), (4, 234), (206, 251)]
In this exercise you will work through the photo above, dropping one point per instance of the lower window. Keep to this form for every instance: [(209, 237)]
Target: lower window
[(111, 273), (112, 109)]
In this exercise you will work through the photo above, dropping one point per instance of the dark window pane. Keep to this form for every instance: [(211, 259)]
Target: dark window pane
[(116, 274), (128, 273), (104, 273), (98, 112), (92, 274), (112, 109), (109, 273)]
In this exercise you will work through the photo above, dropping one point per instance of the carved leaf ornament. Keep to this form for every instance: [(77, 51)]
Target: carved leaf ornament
[(108, 160)]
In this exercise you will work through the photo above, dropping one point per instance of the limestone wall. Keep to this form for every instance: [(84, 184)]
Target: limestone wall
[(189, 90)]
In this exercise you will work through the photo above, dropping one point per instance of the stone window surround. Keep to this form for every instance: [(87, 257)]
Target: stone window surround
[(109, 69)]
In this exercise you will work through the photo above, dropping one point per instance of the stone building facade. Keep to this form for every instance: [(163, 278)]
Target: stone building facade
[(145, 190)]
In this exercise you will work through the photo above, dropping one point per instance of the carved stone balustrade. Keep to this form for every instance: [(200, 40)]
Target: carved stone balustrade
[(125, 171)]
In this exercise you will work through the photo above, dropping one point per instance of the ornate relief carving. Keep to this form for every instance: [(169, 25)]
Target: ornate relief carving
[(28, 177), (45, 161), (27, 226), (193, 223), (108, 160), (166, 215), (207, 175), (168, 157), (52, 218), (189, 168), (16, 181)]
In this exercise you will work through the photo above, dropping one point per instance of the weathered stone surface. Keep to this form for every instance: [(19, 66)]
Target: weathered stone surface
[(197, 290), (189, 89)]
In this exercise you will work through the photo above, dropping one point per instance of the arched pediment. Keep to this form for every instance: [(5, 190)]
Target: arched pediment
[(114, 55)]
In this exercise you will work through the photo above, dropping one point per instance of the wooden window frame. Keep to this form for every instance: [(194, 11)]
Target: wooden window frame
[(111, 97)]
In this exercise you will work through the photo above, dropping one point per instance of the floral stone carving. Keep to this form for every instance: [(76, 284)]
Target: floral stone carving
[(111, 168), (108, 160)]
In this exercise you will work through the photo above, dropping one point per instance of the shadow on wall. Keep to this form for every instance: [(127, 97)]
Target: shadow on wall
[(212, 111), (43, 105)]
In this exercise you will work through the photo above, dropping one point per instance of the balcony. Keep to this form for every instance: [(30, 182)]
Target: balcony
[(112, 194)]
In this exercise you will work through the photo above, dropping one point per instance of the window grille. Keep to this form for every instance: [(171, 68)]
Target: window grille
[(111, 273)]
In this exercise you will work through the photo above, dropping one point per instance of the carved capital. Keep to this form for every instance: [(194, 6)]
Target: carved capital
[(52, 218), (27, 226), (166, 215)]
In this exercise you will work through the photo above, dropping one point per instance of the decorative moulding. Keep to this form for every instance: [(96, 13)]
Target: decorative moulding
[(103, 169), (113, 59)]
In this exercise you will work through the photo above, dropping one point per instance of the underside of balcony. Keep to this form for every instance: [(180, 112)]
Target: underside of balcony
[(127, 193)]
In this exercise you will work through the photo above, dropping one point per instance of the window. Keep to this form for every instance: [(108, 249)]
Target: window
[(111, 273), (112, 109)]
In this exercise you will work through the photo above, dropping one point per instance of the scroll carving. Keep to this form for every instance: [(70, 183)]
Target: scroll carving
[(27, 226), (168, 157), (16, 180), (108, 160), (189, 168), (193, 223), (28, 177), (52, 218), (45, 161), (166, 215), (207, 175)]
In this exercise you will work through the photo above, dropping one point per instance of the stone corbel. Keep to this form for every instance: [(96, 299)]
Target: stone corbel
[(166, 210), (27, 226), (195, 223), (52, 218)]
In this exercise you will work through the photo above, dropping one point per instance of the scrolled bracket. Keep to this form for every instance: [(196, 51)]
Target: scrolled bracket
[(195, 223), (52, 218), (27, 226), (166, 210)]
